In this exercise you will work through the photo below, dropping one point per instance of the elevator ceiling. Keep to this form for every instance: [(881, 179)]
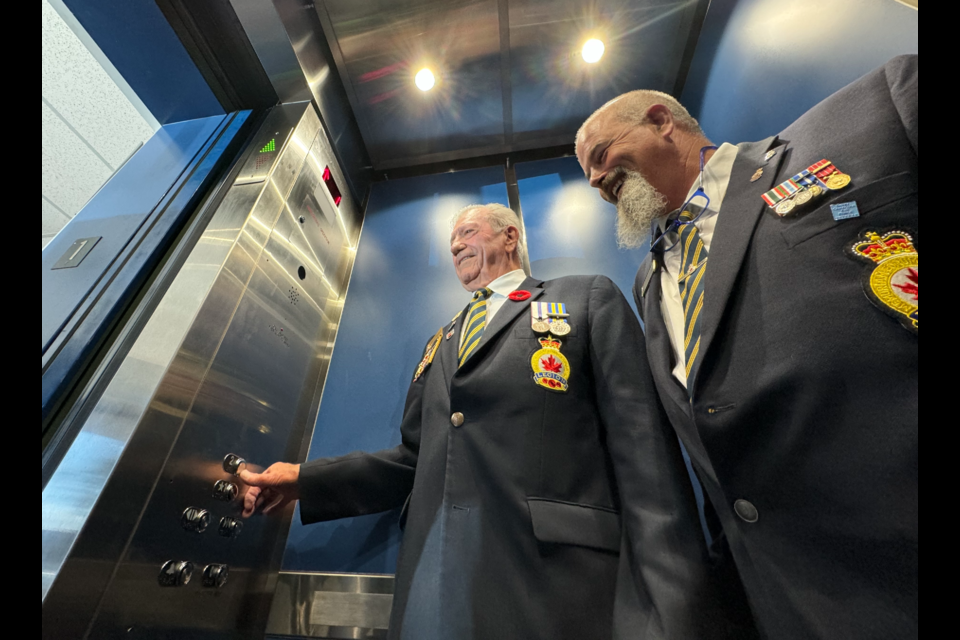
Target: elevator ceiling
[(509, 73)]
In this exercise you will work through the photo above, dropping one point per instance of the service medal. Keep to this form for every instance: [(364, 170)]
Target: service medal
[(784, 207), (551, 369), (538, 321), (559, 327), (837, 181), (541, 326), (815, 190), (893, 284), (803, 197)]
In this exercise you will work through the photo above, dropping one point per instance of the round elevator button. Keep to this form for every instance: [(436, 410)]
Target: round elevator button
[(457, 419), (747, 512)]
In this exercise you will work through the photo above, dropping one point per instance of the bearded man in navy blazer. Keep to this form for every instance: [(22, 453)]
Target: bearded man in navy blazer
[(536, 464), (781, 309)]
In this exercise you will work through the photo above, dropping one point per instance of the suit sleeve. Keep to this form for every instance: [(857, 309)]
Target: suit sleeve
[(903, 77), (664, 586), (362, 483)]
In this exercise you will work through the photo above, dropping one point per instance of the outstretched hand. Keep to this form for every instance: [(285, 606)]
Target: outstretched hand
[(272, 490)]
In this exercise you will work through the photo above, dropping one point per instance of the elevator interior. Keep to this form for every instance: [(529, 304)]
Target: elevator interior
[(207, 325)]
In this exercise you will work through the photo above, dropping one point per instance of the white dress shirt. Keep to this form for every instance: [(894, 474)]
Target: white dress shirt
[(501, 287), (716, 179)]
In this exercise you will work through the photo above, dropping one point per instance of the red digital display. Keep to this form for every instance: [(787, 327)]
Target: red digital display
[(332, 186)]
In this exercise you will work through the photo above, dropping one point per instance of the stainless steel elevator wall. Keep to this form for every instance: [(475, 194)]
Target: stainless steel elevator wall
[(232, 360)]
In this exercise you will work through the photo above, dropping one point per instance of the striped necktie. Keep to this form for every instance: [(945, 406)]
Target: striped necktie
[(475, 324), (693, 266)]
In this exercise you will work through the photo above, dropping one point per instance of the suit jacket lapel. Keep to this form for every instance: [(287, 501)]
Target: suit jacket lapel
[(450, 349), (660, 355), (659, 348), (505, 317), (740, 214)]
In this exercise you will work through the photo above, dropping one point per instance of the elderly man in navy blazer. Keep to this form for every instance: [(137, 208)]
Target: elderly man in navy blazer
[(781, 308), (532, 439)]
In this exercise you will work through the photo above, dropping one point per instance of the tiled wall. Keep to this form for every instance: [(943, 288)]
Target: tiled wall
[(91, 120)]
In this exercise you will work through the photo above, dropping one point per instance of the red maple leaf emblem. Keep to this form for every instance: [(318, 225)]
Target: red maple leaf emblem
[(912, 287), (551, 364)]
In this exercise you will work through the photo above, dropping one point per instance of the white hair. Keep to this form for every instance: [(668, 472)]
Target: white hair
[(499, 217), (632, 107)]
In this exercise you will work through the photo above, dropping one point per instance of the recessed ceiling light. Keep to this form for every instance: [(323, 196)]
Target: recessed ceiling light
[(593, 50), (425, 80)]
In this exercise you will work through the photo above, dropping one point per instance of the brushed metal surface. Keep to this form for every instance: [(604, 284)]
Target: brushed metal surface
[(269, 40), (227, 363), (318, 605), (302, 23)]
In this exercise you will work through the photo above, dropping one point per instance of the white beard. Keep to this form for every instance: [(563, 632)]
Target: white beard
[(638, 206)]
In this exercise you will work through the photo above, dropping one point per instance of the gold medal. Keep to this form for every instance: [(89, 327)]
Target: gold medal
[(816, 190), (837, 181), (786, 206)]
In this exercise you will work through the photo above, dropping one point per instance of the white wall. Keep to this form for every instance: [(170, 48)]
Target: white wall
[(91, 119)]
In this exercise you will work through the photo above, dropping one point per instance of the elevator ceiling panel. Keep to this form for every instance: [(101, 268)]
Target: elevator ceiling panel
[(509, 73), (555, 89)]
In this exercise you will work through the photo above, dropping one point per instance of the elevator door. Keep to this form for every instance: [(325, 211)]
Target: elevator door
[(142, 535)]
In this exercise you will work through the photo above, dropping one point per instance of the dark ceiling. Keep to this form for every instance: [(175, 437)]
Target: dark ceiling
[(510, 76)]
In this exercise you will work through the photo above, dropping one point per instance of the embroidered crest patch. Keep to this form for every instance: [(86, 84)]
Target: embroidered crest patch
[(432, 347), (893, 284), (551, 369)]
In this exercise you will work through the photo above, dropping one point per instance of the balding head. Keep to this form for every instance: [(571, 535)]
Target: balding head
[(631, 108), (641, 151)]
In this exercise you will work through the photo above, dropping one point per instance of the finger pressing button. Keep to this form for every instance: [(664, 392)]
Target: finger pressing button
[(457, 419), (747, 511)]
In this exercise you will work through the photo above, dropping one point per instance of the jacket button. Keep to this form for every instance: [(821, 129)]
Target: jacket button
[(457, 419), (747, 512)]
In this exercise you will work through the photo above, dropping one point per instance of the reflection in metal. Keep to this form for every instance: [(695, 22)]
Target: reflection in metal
[(265, 32), (321, 605), (513, 73), (288, 40), (225, 363)]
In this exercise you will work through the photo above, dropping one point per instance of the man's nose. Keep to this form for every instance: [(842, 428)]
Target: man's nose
[(456, 247), (596, 178)]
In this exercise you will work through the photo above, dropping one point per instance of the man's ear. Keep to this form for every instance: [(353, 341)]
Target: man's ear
[(513, 237), (660, 116)]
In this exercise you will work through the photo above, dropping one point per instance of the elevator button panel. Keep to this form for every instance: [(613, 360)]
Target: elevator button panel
[(195, 520), (225, 491), (233, 464), (176, 573), (230, 527), (215, 576)]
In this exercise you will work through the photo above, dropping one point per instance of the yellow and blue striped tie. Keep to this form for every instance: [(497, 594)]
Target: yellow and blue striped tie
[(475, 324), (693, 266)]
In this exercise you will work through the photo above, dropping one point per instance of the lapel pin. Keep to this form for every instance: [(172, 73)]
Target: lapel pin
[(519, 295), (757, 175), (770, 155)]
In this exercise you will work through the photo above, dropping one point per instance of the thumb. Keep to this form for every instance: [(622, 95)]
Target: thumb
[(253, 479)]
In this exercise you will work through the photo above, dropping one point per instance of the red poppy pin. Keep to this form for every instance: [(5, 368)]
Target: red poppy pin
[(519, 295)]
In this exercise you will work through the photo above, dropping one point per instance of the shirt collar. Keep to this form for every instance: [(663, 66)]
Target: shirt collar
[(508, 282), (716, 179)]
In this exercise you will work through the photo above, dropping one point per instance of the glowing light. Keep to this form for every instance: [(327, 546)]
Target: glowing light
[(593, 50), (425, 80)]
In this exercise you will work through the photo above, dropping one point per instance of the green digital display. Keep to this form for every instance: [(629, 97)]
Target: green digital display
[(271, 146)]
